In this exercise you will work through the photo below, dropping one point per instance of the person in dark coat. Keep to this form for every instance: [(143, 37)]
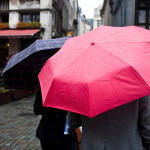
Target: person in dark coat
[(50, 131), (126, 127)]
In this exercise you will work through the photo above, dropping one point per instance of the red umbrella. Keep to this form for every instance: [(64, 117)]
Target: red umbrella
[(98, 71)]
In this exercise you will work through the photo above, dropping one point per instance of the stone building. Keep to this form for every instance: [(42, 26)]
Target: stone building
[(106, 17), (123, 12), (56, 18), (97, 18), (84, 24), (84, 27), (127, 12)]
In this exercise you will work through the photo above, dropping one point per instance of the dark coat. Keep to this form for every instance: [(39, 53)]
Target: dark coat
[(52, 124)]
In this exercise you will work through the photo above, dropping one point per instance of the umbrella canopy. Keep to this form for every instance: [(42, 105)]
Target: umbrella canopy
[(21, 71), (98, 71)]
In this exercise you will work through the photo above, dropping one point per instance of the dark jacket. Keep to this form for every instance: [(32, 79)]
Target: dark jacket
[(52, 124)]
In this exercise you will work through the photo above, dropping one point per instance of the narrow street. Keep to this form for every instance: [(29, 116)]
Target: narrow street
[(18, 125)]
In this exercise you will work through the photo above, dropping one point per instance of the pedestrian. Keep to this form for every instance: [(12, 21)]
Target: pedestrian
[(126, 127), (53, 131)]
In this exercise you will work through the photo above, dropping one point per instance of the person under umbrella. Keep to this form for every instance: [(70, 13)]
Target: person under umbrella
[(96, 75), (126, 127), (21, 72), (53, 130)]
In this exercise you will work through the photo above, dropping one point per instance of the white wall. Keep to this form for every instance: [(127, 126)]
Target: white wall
[(13, 4), (96, 16), (46, 21), (13, 19), (84, 28), (45, 4)]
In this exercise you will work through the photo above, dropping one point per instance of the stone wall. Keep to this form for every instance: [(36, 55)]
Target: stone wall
[(46, 22), (30, 4), (125, 15)]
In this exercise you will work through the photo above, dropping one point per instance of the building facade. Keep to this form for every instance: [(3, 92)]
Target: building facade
[(84, 27), (84, 24), (106, 17), (128, 12), (55, 16), (123, 12), (142, 13), (97, 17)]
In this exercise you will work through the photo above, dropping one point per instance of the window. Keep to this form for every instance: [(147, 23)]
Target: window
[(35, 17), (4, 18), (98, 23), (4, 4), (25, 18), (30, 17), (143, 13)]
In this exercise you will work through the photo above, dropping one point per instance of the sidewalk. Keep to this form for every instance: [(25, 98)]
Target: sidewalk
[(18, 125)]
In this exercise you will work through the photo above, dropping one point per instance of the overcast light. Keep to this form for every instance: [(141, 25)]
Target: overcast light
[(88, 6)]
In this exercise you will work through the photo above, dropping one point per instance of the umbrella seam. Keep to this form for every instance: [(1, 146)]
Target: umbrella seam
[(117, 32), (71, 62), (117, 58), (110, 35), (122, 69), (22, 53), (124, 42), (89, 95), (114, 89)]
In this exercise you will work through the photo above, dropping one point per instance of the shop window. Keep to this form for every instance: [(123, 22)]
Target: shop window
[(143, 13), (4, 4)]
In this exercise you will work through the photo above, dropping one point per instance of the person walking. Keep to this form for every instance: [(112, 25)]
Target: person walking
[(126, 127), (53, 131)]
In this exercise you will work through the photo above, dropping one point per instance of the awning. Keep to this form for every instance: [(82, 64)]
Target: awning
[(15, 33)]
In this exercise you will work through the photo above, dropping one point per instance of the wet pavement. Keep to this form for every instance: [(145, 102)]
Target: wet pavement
[(18, 125)]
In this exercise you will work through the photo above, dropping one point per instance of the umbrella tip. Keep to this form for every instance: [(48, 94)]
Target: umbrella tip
[(92, 43)]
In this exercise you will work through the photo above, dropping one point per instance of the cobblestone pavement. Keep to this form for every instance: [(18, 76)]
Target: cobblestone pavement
[(18, 125)]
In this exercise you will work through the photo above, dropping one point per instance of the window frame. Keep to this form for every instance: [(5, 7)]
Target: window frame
[(37, 16), (31, 17), (4, 2), (98, 23), (25, 19), (147, 9)]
